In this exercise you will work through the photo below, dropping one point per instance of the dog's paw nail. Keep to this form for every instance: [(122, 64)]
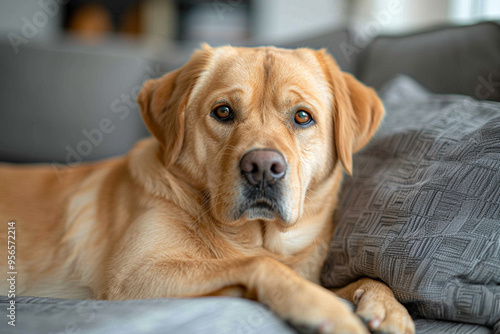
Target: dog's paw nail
[(374, 323), (326, 327), (357, 295)]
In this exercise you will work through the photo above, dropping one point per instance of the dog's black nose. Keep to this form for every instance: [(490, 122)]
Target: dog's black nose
[(263, 167)]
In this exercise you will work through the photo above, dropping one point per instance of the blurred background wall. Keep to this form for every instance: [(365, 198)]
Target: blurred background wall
[(228, 21)]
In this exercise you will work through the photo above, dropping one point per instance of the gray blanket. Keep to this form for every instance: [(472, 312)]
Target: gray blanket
[(199, 315), (166, 316)]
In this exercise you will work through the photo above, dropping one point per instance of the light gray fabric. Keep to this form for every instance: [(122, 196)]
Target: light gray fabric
[(169, 316), (63, 104), (426, 326), (422, 212)]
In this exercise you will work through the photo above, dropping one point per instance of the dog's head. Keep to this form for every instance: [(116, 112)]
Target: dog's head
[(257, 128)]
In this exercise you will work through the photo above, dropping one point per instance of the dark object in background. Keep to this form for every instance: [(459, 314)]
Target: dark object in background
[(215, 22), (89, 18)]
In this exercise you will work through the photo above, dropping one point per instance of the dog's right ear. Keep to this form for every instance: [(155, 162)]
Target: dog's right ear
[(163, 103)]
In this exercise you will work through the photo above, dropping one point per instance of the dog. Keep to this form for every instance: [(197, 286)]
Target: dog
[(233, 195)]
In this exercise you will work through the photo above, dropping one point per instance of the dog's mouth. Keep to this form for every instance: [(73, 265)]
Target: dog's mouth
[(269, 203), (262, 205), (260, 209)]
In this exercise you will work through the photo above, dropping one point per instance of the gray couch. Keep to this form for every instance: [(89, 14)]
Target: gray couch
[(54, 99)]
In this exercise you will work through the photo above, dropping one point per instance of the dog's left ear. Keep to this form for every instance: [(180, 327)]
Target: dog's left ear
[(357, 110)]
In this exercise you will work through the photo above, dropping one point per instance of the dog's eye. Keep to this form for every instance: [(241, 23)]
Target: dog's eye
[(302, 117), (222, 113)]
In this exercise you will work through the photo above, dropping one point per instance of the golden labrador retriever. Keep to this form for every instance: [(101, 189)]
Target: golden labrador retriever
[(233, 195)]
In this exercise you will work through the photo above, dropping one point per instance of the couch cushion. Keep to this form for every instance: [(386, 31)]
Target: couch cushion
[(422, 212), (427, 326), (451, 60)]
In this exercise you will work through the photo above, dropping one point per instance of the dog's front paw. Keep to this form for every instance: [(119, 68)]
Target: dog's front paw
[(317, 310), (383, 315)]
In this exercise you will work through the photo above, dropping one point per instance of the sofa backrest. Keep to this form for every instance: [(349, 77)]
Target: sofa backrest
[(337, 42), (449, 60), (61, 104)]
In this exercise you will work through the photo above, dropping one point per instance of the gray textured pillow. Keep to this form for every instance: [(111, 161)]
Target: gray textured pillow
[(422, 211)]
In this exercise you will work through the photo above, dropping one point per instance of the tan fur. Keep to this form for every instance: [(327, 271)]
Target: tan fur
[(158, 223)]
